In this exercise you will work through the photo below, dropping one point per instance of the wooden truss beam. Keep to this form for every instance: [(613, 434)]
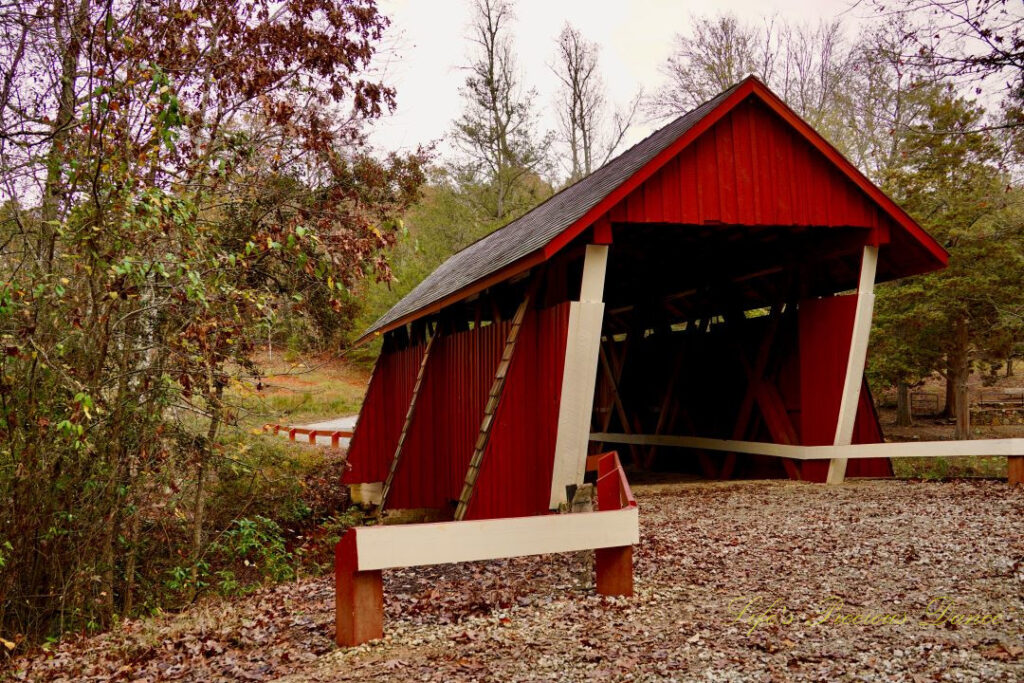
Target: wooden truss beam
[(491, 408), (762, 392), (613, 368)]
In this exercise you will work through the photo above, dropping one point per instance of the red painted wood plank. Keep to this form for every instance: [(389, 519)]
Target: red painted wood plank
[(743, 162), (784, 180), (767, 181), (725, 158), (820, 176), (672, 208), (707, 180), (688, 185), (797, 181), (652, 195), (359, 597), (828, 190)]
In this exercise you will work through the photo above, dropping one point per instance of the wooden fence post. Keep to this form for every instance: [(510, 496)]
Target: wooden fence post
[(1015, 470), (359, 596)]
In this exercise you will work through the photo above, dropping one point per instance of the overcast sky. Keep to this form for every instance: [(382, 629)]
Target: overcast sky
[(427, 45)]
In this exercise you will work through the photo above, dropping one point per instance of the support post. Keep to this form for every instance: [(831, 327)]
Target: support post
[(1015, 470), (613, 566), (614, 569), (855, 361), (579, 376), (359, 596)]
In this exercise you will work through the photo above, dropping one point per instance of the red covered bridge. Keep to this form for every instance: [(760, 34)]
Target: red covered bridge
[(693, 287), (703, 300)]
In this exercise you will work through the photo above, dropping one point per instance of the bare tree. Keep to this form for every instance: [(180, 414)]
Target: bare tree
[(975, 39), (497, 129), (582, 106), (809, 66), (888, 96), (720, 53)]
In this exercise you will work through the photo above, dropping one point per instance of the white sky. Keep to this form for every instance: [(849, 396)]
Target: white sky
[(428, 44)]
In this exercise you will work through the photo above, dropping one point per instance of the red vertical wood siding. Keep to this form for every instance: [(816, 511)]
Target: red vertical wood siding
[(515, 478), (382, 414), (826, 327), (750, 168)]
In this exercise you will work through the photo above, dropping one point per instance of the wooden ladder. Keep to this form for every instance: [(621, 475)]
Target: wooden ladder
[(396, 459), (497, 387)]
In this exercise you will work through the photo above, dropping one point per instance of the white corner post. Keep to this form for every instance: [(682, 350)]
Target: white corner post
[(855, 361), (579, 376)]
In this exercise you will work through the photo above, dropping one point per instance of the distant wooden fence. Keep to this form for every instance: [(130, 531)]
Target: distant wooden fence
[(924, 403), (1002, 397), (335, 435)]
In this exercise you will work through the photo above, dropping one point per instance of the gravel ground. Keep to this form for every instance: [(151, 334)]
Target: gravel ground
[(752, 581)]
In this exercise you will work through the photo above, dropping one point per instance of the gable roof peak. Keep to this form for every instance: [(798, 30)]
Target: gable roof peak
[(537, 235)]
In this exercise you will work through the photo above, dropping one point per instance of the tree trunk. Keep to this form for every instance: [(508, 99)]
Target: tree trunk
[(134, 529), (960, 360), (949, 410), (1009, 366), (904, 416), (199, 503), (198, 507), (65, 114)]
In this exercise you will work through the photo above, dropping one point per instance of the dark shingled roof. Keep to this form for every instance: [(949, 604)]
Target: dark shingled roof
[(535, 229)]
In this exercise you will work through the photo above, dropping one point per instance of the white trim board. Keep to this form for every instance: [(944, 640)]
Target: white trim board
[(915, 449), (415, 545)]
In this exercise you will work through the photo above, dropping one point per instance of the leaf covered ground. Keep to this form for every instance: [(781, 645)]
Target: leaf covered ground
[(762, 581)]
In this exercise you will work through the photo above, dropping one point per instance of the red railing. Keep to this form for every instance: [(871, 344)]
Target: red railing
[(364, 552), (336, 435), (613, 492)]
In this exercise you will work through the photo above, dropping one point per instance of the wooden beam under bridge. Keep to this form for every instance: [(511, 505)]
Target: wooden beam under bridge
[(1010, 448)]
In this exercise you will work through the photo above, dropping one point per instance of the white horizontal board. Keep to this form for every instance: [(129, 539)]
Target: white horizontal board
[(915, 449), (415, 545)]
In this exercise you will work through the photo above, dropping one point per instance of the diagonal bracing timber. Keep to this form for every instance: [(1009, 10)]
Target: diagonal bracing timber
[(396, 459), (497, 387)]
